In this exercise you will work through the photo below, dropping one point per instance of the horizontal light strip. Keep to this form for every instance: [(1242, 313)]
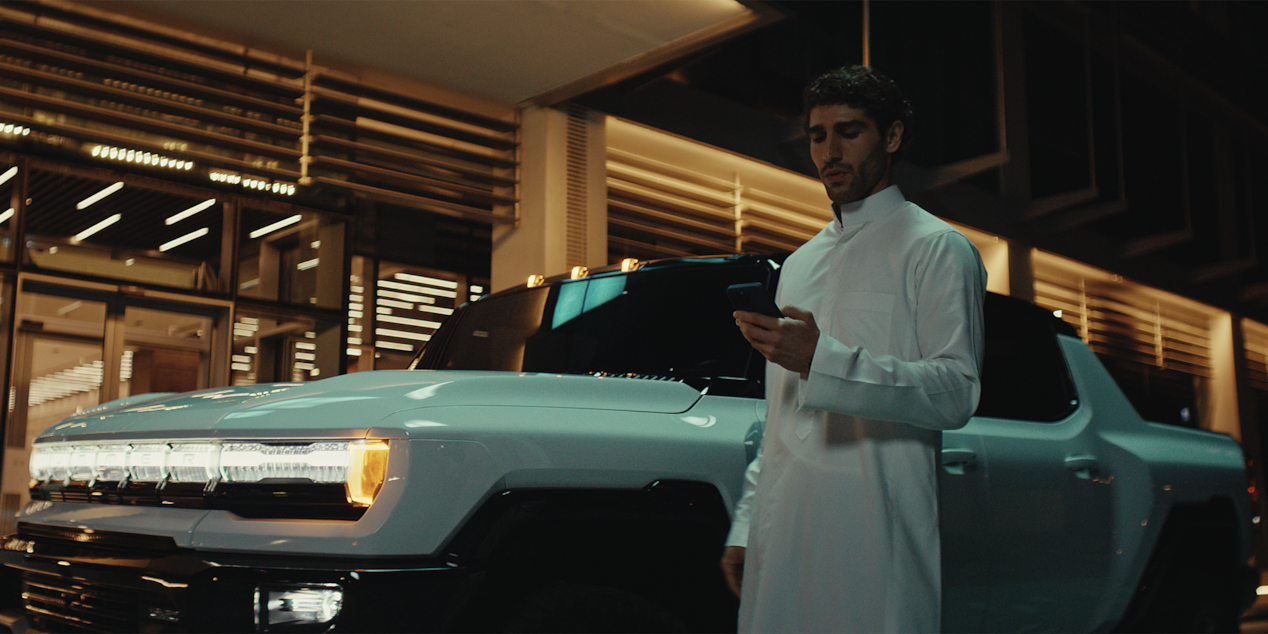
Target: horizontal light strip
[(275, 226), (392, 345), (406, 321), (416, 289), (388, 302), (197, 461), (405, 296), (95, 198), (189, 212), (407, 277), (8, 213), (308, 264), (9, 173), (400, 334), (83, 235), (183, 239), (439, 310)]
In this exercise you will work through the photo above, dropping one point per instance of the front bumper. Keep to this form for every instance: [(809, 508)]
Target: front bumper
[(129, 583)]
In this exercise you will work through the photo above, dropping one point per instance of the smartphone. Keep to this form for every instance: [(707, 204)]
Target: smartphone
[(754, 298)]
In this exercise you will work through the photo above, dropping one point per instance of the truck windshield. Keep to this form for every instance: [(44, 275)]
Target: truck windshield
[(674, 322)]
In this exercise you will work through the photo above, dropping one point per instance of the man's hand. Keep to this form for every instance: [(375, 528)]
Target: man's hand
[(733, 567), (789, 342)]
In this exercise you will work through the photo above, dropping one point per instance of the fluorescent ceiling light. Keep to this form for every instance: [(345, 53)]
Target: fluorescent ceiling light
[(308, 264), (9, 173), (85, 203), (262, 231), (82, 235), (183, 239), (189, 212), (8, 213)]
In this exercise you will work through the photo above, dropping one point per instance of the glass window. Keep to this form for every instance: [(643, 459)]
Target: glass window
[(9, 179), (670, 322), (360, 349), (291, 256), (409, 305), (1024, 376), (273, 347), (164, 351), (394, 309), (120, 230)]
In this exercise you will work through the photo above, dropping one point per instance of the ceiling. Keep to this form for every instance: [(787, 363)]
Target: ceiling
[(508, 51)]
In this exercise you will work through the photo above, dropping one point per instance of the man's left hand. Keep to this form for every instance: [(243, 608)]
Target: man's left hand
[(789, 342)]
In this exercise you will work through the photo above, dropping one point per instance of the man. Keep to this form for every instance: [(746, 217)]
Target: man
[(879, 349)]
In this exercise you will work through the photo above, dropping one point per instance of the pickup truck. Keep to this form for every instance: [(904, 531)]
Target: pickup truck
[(566, 456)]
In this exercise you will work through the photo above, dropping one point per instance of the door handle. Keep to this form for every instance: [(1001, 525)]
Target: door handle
[(958, 461), (1084, 466)]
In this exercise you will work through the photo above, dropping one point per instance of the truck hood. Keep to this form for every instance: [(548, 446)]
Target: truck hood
[(348, 405)]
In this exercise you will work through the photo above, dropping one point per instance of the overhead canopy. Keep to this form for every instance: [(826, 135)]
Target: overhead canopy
[(509, 51)]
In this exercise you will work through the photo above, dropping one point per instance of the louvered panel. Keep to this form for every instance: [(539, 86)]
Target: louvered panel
[(577, 182), (658, 180), (680, 223), (79, 79), (663, 235), (1255, 349), (631, 163), (1118, 321), (669, 200), (766, 244)]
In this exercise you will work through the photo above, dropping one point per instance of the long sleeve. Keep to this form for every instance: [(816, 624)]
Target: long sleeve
[(940, 389), (744, 507)]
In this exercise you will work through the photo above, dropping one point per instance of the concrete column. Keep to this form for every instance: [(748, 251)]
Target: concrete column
[(1021, 272), (558, 166), (1222, 413)]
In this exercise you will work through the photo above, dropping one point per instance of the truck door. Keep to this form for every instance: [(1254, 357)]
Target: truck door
[(963, 494)]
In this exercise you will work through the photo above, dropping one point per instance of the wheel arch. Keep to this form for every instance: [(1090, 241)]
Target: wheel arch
[(661, 542)]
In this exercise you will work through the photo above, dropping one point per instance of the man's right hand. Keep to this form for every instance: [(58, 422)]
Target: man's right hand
[(733, 567)]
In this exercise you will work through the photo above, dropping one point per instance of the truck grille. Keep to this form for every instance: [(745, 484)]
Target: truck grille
[(57, 604)]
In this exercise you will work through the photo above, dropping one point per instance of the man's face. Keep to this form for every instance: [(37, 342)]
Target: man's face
[(850, 152)]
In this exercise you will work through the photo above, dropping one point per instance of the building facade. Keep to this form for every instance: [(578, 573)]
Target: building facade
[(188, 212)]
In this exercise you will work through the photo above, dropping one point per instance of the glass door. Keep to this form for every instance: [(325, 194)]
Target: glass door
[(80, 346)]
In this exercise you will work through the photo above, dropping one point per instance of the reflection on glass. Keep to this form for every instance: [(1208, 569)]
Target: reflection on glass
[(409, 305), (291, 257), (166, 351), (65, 315), (7, 213), (65, 376), (360, 350), (122, 231), (268, 348)]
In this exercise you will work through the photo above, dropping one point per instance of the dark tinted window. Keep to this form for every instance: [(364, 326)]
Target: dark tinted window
[(1024, 375), (676, 321)]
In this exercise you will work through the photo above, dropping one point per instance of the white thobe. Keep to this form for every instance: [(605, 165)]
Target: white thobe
[(840, 509)]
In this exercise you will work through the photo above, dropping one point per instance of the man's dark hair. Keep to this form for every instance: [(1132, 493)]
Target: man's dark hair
[(864, 88)]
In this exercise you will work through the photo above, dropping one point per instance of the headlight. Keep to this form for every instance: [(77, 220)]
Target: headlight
[(359, 465), (297, 608)]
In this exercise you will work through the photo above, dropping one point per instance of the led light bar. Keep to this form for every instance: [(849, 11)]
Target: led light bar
[(139, 156), (175, 218), (251, 182), (95, 198), (84, 235), (193, 235), (360, 465), (262, 231)]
